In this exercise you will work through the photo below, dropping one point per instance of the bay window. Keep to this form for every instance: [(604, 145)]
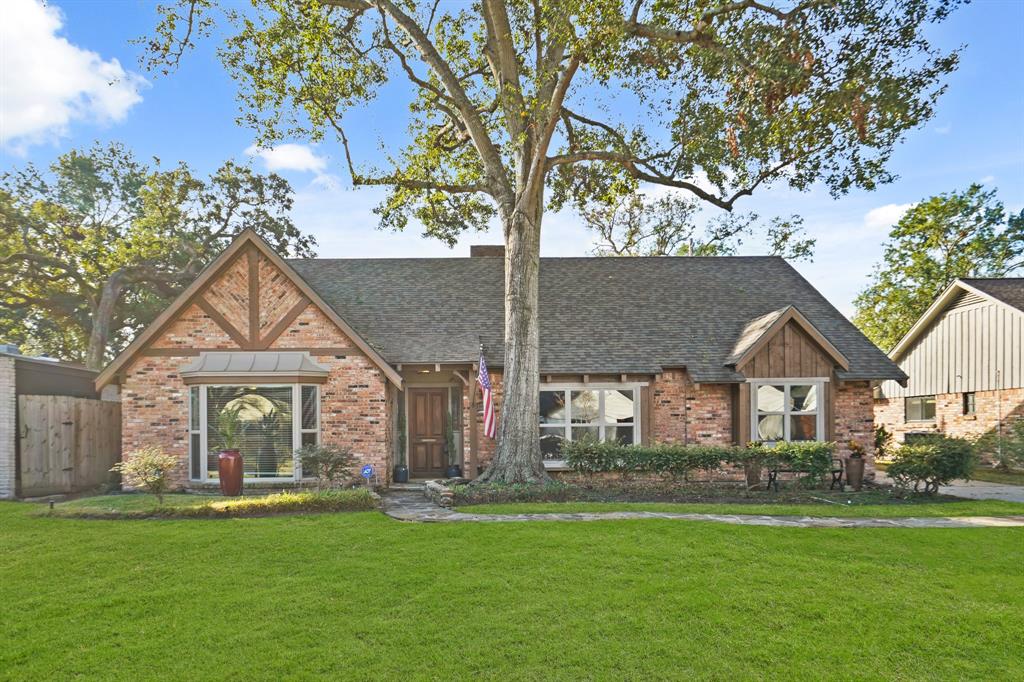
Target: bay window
[(787, 410), (271, 421), (576, 413)]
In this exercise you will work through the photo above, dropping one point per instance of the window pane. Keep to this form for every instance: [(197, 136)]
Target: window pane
[(263, 420), (803, 427), (309, 407), (770, 398), (588, 433), (195, 456), (193, 401), (552, 407), (310, 438), (620, 434), (551, 442), (912, 408), (769, 427), (618, 407), (928, 407), (803, 398), (585, 407)]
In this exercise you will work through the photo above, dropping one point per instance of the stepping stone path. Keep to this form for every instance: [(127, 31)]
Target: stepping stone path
[(408, 505)]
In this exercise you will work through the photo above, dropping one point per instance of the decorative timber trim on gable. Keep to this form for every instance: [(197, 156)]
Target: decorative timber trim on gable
[(765, 329), (251, 247)]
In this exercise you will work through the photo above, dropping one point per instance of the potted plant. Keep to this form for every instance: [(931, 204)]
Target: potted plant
[(855, 466), (453, 470), (401, 473), (230, 429)]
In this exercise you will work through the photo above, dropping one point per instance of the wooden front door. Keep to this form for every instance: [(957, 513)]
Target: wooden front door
[(427, 410)]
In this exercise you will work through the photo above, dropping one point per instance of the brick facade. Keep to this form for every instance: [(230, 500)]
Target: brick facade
[(949, 414), (8, 431), (354, 408), (684, 412)]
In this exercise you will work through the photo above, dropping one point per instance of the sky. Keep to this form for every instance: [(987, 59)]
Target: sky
[(69, 76)]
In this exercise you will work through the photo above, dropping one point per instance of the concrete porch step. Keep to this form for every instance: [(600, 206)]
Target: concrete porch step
[(411, 486)]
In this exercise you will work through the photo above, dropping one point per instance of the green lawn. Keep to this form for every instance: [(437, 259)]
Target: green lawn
[(966, 508), (1013, 477), (358, 595)]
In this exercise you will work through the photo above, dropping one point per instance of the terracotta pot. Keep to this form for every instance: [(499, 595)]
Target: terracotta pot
[(229, 465), (855, 472)]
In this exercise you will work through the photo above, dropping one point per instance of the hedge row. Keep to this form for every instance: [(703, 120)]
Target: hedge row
[(679, 461)]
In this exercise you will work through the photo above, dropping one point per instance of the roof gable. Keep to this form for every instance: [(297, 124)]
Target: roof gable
[(764, 328), (1007, 292), (238, 271)]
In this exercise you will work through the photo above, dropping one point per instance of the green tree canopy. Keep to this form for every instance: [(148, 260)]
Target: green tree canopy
[(959, 234), (636, 225), (95, 246), (521, 104)]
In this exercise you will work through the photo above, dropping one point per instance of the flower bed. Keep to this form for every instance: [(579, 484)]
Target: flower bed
[(139, 506)]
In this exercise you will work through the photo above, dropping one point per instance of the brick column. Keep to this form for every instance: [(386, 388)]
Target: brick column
[(8, 431)]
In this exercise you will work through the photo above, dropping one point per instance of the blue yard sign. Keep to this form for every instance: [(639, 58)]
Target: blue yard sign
[(367, 471)]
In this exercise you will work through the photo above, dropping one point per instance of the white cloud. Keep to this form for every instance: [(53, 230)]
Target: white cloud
[(289, 157), (882, 219), (943, 129), (46, 82), (988, 180)]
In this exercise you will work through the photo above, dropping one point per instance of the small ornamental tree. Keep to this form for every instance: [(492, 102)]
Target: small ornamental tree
[(147, 468), (518, 105), (330, 464)]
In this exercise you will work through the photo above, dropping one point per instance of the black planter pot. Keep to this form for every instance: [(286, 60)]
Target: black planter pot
[(453, 471), (401, 474)]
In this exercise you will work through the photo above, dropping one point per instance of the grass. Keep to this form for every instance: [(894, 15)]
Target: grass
[(139, 506), (362, 596), (1014, 477), (965, 508)]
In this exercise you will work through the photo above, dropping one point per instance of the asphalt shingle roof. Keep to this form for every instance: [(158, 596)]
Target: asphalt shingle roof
[(597, 315), (1009, 290)]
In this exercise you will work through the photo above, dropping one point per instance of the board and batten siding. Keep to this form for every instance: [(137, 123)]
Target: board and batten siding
[(976, 344)]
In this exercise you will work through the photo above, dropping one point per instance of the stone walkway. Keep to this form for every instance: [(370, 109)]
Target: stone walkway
[(413, 506)]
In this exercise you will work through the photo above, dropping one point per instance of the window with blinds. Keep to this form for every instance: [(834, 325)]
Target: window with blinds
[(264, 415)]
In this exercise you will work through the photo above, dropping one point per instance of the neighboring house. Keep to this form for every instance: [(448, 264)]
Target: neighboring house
[(965, 362), (351, 352)]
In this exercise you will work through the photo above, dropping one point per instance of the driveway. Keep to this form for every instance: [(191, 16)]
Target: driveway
[(975, 490)]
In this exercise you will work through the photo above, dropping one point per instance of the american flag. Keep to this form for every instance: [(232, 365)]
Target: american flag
[(490, 422)]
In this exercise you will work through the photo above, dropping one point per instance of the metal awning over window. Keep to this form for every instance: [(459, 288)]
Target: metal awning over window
[(264, 367)]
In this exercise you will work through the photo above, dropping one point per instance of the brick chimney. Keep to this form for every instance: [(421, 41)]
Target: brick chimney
[(487, 251)]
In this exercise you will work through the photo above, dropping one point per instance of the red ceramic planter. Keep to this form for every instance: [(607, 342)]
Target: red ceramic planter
[(229, 465)]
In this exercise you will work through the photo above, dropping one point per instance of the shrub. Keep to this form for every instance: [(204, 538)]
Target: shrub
[(1006, 451), (813, 458), (147, 468), (670, 460), (883, 443), (933, 461), (329, 463)]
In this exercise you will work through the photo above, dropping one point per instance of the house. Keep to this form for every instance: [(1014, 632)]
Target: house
[(380, 356), (965, 362)]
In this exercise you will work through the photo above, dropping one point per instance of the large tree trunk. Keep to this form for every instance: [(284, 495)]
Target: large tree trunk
[(518, 458), (99, 335)]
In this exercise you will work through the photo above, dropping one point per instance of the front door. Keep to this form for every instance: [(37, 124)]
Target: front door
[(426, 431)]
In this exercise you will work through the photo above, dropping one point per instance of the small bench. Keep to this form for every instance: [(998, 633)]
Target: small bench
[(836, 471)]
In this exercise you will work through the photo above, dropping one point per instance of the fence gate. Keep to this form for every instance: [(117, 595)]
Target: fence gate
[(66, 444)]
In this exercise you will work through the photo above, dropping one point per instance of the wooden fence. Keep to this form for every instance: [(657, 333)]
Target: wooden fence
[(66, 444)]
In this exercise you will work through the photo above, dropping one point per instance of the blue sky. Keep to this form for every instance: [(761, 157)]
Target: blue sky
[(69, 76)]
